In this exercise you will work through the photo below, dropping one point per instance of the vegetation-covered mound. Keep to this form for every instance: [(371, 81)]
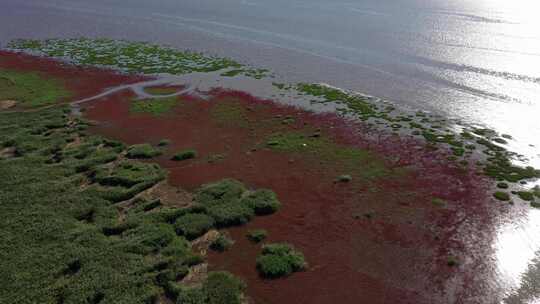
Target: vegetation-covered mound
[(278, 260)]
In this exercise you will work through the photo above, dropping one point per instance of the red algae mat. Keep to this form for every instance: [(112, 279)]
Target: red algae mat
[(381, 238)]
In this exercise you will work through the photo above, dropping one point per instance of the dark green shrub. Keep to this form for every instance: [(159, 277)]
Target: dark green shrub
[(262, 202), (221, 243), (502, 196), (193, 225), (526, 196), (183, 155), (230, 214), (142, 151), (273, 266), (192, 296), (149, 237), (257, 236), (179, 247), (279, 260), (223, 288), (164, 142)]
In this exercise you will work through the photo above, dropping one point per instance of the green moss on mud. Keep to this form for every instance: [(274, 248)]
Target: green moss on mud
[(155, 106), (30, 88), (360, 162)]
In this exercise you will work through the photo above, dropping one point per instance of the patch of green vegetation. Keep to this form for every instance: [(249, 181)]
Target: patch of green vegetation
[(229, 113), (257, 235), (439, 202), (502, 185), (262, 201), (185, 154), (357, 104), (278, 260), (135, 57), (229, 203), (154, 106), (502, 196), (526, 195), (63, 243), (194, 225), (360, 162), (142, 151), (164, 142), (128, 174), (232, 73), (501, 168), (160, 90), (31, 89), (219, 288), (221, 243)]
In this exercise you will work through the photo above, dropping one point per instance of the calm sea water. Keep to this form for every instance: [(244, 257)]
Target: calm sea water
[(478, 61)]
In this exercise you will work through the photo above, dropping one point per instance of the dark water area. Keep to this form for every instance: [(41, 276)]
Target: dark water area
[(478, 61)]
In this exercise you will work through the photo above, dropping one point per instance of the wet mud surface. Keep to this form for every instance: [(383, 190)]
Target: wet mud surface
[(419, 232)]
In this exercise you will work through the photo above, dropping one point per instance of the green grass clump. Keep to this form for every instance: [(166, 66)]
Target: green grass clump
[(164, 142), (128, 174), (221, 243), (142, 151), (278, 260), (257, 235), (154, 106), (225, 202), (232, 213), (502, 196), (193, 225), (262, 201), (526, 195), (502, 185), (219, 288), (219, 192), (31, 89), (186, 154)]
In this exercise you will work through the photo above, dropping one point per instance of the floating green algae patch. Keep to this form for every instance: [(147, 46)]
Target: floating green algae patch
[(30, 88), (154, 106), (314, 147), (137, 57)]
